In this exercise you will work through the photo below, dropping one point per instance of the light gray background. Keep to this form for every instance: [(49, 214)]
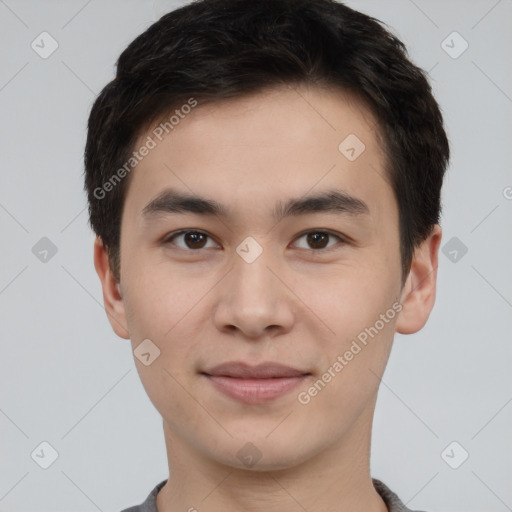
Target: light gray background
[(68, 380)]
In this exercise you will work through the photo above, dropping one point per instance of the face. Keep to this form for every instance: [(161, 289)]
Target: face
[(262, 273)]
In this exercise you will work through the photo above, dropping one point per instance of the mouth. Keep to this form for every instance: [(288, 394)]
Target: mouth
[(254, 384)]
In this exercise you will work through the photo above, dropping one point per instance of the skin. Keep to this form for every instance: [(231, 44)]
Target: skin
[(294, 304)]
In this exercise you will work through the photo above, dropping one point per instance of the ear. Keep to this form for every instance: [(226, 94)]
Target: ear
[(419, 292), (112, 299)]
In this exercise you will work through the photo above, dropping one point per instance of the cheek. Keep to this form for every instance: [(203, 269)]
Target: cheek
[(157, 301), (353, 358), (352, 299), (360, 308), (163, 307)]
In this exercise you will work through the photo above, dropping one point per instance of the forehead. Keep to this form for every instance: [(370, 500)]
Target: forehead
[(257, 149)]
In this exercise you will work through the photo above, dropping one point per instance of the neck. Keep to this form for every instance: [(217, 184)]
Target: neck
[(335, 480)]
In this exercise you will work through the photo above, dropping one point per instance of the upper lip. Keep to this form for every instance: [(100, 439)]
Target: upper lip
[(266, 370)]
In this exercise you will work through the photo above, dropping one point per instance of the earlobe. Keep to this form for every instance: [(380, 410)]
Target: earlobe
[(419, 292), (112, 297)]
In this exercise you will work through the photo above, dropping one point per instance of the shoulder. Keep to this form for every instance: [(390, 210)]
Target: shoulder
[(392, 501), (149, 504)]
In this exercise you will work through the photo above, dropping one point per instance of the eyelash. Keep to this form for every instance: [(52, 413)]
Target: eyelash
[(172, 236)]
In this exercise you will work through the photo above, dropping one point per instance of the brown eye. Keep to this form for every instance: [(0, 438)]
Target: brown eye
[(317, 240), (191, 239), (194, 240)]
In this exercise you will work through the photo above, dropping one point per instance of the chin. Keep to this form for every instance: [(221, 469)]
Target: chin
[(260, 454)]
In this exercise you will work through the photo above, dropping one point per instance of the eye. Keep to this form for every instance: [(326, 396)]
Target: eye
[(191, 238), (195, 240), (318, 239)]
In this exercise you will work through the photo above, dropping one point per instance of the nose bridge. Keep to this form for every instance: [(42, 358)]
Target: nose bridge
[(253, 298), (251, 278)]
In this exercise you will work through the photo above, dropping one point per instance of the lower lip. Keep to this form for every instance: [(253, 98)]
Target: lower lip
[(255, 391)]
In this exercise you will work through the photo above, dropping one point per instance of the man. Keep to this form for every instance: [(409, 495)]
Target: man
[(264, 182)]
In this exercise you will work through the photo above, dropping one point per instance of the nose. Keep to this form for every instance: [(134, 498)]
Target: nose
[(254, 301)]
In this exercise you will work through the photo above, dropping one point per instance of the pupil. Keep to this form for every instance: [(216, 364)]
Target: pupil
[(313, 239), (192, 239)]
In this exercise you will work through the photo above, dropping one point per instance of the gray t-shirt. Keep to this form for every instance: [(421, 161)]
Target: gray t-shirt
[(391, 500)]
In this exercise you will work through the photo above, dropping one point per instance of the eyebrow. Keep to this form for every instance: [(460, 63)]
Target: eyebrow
[(330, 201)]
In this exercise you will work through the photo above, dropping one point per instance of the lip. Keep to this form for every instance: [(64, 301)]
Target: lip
[(254, 384), (265, 370)]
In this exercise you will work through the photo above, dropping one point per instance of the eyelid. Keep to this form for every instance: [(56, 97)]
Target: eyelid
[(168, 238), (342, 238)]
